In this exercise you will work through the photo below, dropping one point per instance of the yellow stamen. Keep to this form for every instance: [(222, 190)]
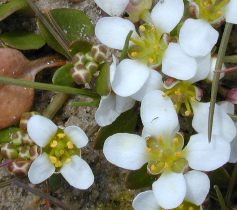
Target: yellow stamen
[(58, 163), (53, 159), (176, 140), (178, 154), (153, 167), (190, 208), (142, 28), (70, 145), (54, 144), (134, 54), (61, 135), (187, 113), (151, 60)]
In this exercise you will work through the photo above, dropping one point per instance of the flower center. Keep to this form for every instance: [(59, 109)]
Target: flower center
[(211, 10), (149, 47), (186, 206), (166, 155), (60, 149), (182, 95)]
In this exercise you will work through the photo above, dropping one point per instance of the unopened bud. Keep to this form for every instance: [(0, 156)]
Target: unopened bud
[(26, 139), (79, 59), (99, 53), (232, 95), (8, 151), (80, 74), (17, 138), (19, 167), (92, 67), (35, 151), (24, 119), (24, 152)]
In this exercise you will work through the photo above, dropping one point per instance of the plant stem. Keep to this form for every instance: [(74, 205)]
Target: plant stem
[(57, 102), (126, 45), (217, 73), (220, 198), (230, 59), (231, 185), (45, 86)]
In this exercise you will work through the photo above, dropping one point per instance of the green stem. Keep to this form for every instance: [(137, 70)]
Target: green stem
[(219, 62), (231, 185), (126, 46), (220, 198), (45, 86), (231, 59), (57, 102)]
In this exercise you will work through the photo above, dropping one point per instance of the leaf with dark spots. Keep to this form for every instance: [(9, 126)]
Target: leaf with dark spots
[(16, 100)]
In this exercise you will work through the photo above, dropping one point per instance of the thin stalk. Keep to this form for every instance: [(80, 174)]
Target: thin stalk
[(37, 192), (126, 46), (217, 73), (231, 185), (45, 86), (57, 102), (230, 59), (220, 198)]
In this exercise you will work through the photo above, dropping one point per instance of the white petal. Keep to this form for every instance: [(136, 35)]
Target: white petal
[(41, 169), (176, 63), (145, 201), (230, 13), (169, 190), (198, 186), (197, 37), (158, 114), (112, 69), (222, 123), (233, 153), (126, 150), (78, 173), (77, 136), (227, 107), (154, 82), (123, 104), (112, 7), (203, 68), (129, 77), (106, 113), (112, 31), (166, 14), (41, 130), (213, 68), (205, 156)]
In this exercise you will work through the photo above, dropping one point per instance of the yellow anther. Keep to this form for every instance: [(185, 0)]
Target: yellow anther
[(54, 144), (134, 54), (177, 92), (178, 154), (187, 113), (53, 159), (193, 99), (151, 60), (70, 145), (61, 135), (153, 167), (166, 166), (176, 140), (68, 160), (142, 28), (190, 208), (153, 29), (148, 149), (58, 164)]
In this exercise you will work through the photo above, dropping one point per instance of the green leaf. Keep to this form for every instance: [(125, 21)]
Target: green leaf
[(103, 81), (120, 125), (139, 179), (73, 22), (80, 46), (55, 182), (6, 9), (22, 40), (62, 76), (6, 134)]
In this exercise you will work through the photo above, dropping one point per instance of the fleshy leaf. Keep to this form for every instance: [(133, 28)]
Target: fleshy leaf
[(6, 9), (23, 40), (139, 179), (103, 81), (120, 125), (62, 76), (80, 46)]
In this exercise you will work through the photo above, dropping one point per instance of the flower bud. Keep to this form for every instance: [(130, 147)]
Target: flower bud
[(24, 119), (8, 151), (34, 151), (19, 167), (79, 59), (99, 53), (17, 138), (92, 67), (80, 74), (24, 152), (26, 139), (232, 95)]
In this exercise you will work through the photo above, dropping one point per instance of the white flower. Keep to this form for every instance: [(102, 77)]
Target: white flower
[(163, 150), (61, 153), (197, 188)]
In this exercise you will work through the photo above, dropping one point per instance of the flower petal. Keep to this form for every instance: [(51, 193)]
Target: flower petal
[(205, 156), (213, 68), (113, 7), (112, 31), (176, 63), (106, 113), (227, 107), (154, 82), (158, 114), (197, 37), (233, 153), (222, 123), (166, 14), (78, 173), (129, 77), (169, 190), (126, 150), (203, 68), (198, 186), (123, 104), (230, 12), (41, 130), (145, 200), (77, 136), (41, 169), (112, 68)]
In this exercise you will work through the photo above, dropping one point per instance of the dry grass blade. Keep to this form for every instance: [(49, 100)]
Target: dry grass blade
[(215, 83)]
